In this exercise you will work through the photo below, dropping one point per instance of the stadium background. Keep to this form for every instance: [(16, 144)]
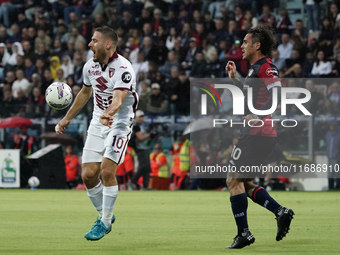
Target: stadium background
[(165, 40)]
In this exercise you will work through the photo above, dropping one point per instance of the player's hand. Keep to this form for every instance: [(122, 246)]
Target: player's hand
[(231, 69), (106, 119), (254, 119), (60, 127)]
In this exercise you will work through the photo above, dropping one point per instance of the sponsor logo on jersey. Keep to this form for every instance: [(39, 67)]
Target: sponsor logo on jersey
[(271, 72), (97, 72), (126, 77), (111, 72)]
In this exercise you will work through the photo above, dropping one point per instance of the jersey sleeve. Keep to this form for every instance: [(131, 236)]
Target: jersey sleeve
[(86, 79), (270, 75), (124, 78)]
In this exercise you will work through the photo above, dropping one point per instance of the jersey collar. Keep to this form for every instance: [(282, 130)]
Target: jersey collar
[(258, 60), (114, 56)]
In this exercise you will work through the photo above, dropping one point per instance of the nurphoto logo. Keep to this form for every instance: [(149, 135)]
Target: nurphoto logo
[(238, 100), (238, 108)]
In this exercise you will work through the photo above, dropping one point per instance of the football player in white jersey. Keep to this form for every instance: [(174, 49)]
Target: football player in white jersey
[(111, 79)]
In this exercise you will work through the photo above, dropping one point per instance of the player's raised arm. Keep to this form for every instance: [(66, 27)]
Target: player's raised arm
[(231, 69), (117, 100), (79, 102)]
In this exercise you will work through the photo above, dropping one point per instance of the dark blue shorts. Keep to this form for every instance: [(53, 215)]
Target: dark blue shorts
[(251, 150)]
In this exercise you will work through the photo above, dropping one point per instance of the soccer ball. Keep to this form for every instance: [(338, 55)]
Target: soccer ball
[(59, 95), (33, 182)]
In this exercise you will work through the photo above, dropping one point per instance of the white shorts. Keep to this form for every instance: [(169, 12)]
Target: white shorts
[(108, 143)]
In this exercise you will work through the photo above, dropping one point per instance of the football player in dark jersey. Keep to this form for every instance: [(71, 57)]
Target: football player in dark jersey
[(255, 142)]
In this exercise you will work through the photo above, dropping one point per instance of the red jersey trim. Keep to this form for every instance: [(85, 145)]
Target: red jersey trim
[(121, 89), (114, 56)]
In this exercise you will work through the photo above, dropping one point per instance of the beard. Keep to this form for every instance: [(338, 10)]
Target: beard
[(247, 56), (100, 55)]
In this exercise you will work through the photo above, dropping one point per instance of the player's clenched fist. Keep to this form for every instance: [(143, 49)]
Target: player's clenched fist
[(231, 69), (60, 127), (106, 119)]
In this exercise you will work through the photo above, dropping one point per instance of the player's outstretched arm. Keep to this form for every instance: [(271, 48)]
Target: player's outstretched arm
[(79, 102), (117, 100)]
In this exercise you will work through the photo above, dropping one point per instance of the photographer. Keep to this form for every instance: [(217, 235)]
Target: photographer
[(139, 143)]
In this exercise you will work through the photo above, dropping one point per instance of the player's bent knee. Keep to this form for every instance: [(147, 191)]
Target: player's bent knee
[(249, 185), (108, 169), (88, 176), (231, 182), (107, 173), (90, 172)]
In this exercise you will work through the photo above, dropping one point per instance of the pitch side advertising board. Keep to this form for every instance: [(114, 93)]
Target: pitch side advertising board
[(10, 168)]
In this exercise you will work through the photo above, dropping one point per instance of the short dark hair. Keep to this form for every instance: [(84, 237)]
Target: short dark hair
[(109, 33), (265, 37)]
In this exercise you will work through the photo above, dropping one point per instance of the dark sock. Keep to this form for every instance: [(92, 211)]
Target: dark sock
[(261, 197), (239, 205)]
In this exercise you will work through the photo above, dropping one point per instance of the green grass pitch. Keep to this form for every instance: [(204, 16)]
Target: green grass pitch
[(156, 222)]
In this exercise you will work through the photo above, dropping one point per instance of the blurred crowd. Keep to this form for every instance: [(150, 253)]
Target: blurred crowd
[(168, 42)]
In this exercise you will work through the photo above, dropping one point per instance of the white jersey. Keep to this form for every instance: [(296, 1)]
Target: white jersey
[(117, 74)]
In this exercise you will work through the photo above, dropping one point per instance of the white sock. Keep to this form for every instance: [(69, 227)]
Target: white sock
[(109, 197), (96, 196)]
